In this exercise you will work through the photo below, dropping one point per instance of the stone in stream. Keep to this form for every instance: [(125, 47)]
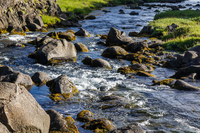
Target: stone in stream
[(20, 112), (82, 32), (81, 47), (87, 60), (114, 52), (55, 49), (182, 85), (147, 30), (128, 129), (40, 78), (99, 125), (97, 62), (60, 124), (85, 116), (90, 17), (69, 36), (7, 74), (136, 46), (61, 84), (134, 13), (117, 38)]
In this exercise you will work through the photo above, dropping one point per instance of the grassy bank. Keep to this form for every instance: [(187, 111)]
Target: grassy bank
[(86, 6), (185, 36)]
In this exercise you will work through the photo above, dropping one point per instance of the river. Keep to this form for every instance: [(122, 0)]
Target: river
[(154, 108)]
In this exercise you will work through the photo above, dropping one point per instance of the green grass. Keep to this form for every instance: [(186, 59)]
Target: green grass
[(50, 20), (187, 35), (85, 6)]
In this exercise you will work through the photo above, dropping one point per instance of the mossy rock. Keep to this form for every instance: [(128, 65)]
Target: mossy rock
[(164, 82), (56, 61), (71, 126), (104, 37), (81, 47), (60, 97), (125, 70), (99, 125), (3, 31), (71, 31), (13, 32), (145, 74), (85, 116), (134, 34)]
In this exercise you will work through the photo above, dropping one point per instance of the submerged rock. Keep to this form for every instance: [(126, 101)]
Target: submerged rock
[(61, 124), (101, 63), (40, 78), (118, 38), (61, 84), (85, 116), (128, 129), (19, 110), (7, 74), (55, 49)]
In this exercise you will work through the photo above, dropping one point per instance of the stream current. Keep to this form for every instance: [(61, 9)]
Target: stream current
[(154, 108)]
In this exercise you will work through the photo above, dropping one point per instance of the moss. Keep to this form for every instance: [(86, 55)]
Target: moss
[(145, 74), (71, 126), (163, 82), (13, 32), (56, 61), (50, 20), (125, 70), (104, 37), (42, 30), (3, 31), (59, 97), (85, 115)]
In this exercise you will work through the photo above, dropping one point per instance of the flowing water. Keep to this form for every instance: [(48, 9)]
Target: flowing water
[(154, 108)]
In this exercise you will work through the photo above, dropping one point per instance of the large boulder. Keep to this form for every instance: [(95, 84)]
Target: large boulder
[(62, 84), (128, 129), (182, 85), (7, 74), (55, 49), (114, 52), (40, 78), (116, 37), (61, 124), (20, 112)]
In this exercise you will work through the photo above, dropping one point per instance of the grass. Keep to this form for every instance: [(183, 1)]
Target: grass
[(187, 35), (49, 20), (85, 6)]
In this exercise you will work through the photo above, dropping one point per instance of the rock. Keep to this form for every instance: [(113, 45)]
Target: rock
[(101, 63), (101, 43), (145, 74), (128, 129), (168, 82), (55, 49), (16, 45), (186, 71), (61, 84), (42, 41), (110, 98), (61, 124), (146, 30), (196, 49), (85, 116), (189, 57), (134, 13), (171, 28), (69, 36), (20, 112), (117, 38), (99, 125), (38, 20), (134, 34), (175, 8), (87, 61), (33, 27), (3, 128), (141, 67), (90, 17), (81, 47), (40, 78), (82, 32), (136, 46), (182, 85), (7, 74), (114, 52)]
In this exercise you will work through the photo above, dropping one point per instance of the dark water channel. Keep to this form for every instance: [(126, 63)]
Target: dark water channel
[(154, 108)]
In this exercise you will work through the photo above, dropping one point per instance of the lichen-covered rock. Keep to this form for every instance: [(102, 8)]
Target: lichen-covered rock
[(61, 124), (114, 52), (7, 74), (128, 129), (182, 85), (19, 110), (61, 84), (69, 36), (81, 47), (145, 74), (82, 32), (164, 82), (87, 60), (40, 78), (99, 125), (101, 63), (85, 116), (117, 38), (55, 49)]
